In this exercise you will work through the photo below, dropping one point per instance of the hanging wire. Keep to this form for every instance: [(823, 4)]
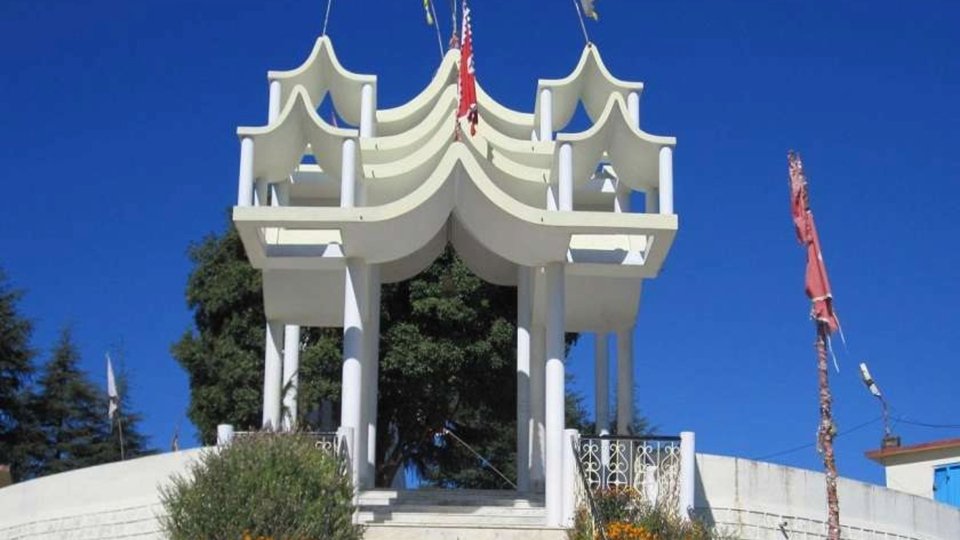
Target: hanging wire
[(436, 23), (483, 461), (810, 445), (583, 26), (326, 18)]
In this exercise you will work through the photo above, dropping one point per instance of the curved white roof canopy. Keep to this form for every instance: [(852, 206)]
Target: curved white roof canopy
[(420, 190)]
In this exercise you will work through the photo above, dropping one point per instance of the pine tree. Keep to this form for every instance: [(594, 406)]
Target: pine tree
[(72, 415), (16, 371)]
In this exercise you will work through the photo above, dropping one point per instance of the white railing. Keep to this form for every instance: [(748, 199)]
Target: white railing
[(659, 469)]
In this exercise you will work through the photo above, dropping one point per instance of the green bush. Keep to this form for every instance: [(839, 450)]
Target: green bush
[(269, 486)]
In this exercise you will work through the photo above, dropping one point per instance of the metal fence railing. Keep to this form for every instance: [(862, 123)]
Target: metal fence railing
[(650, 466)]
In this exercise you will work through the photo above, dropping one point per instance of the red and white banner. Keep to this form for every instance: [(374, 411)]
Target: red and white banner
[(467, 83)]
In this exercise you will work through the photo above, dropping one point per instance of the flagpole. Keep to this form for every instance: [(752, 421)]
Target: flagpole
[(120, 430), (826, 434)]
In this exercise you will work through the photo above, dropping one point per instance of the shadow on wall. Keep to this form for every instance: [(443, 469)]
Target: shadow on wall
[(702, 507)]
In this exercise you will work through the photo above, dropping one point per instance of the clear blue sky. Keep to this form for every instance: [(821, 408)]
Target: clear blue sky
[(118, 150)]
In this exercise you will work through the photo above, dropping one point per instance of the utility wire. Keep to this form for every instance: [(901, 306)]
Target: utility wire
[(810, 445), (902, 420)]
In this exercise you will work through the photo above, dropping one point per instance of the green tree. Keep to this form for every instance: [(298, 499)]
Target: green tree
[(224, 356), (17, 433), (72, 417), (447, 359)]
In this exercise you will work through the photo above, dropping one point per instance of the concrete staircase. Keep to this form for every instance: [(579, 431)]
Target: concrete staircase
[(449, 514)]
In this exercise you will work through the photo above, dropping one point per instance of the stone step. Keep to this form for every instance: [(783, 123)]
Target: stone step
[(451, 497), (450, 519), (475, 532)]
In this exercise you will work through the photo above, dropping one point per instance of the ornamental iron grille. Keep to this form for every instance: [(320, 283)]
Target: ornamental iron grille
[(649, 466)]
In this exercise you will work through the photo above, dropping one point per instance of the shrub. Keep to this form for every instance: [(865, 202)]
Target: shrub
[(624, 516), (264, 486)]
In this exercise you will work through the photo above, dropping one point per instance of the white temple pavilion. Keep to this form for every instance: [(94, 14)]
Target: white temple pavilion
[(523, 202)]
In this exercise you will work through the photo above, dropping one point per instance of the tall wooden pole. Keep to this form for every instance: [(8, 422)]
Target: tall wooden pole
[(826, 434)]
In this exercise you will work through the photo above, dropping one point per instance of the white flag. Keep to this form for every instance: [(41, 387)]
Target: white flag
[(589, 10), (112, 394)]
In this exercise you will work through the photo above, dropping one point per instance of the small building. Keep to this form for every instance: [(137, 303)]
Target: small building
[(930, 470)]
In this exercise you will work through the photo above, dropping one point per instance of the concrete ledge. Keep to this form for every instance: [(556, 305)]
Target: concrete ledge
[(763, 501), (116, 500)]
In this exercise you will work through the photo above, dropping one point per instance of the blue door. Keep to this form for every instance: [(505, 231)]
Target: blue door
[(946, 484)]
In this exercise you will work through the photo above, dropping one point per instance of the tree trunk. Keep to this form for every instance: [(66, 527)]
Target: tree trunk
[(826, 434)]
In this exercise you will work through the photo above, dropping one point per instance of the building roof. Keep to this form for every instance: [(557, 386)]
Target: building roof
[(881, 455)]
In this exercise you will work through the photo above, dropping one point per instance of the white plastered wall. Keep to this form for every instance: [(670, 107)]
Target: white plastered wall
[(905, 473)]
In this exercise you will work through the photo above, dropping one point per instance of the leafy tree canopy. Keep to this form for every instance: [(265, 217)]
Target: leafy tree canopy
[(447, 359)]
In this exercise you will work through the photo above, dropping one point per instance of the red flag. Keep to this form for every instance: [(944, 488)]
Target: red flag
[(467, 83), (818, 285)]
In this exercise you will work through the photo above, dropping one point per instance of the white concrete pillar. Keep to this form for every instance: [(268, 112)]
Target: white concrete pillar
[(624, 381), (351, 391), (261, 193), (273, 109), (283, 192), (688, 473), (552, 198), (602, 383), (546, 115), (554, 394), (524, 320), (666, 180), (371, 375), (633, 107), (367, 112), (272, 375), (565, 178), (274, 193), (621, 201), (571, 439), (537, 408), (652, 201), (348, 174), (291, 375), (245, 181), (224, 434)]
